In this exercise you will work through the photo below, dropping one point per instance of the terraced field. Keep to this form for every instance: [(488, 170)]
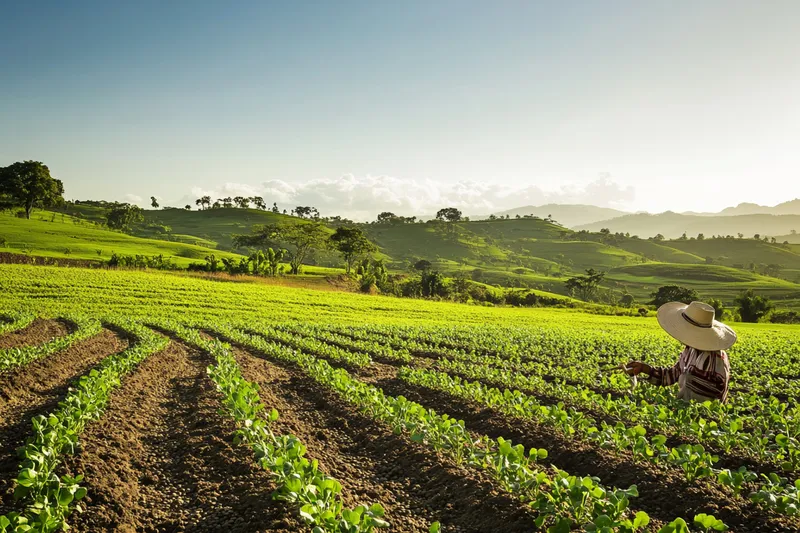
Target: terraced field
[(175, 416)]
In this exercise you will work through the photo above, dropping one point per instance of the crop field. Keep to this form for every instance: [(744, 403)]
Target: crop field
[(138, 401)]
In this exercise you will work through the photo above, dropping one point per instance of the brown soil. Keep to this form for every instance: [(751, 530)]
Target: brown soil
[(657, 488), (413, 484), (36, 389), (37, 332), (161, 459)]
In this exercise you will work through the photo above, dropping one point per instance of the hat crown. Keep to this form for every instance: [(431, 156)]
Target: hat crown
[(700, 313)]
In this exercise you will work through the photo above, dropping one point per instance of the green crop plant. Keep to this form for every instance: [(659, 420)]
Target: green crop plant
[(45, 498), (16, 357)]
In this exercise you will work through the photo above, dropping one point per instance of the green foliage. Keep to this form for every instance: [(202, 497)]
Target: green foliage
[(303, 237), (352, 244), (299, 480), (719, 308), (449, 214), (673, 293), (16, 357), (585, 287), (752, 307), (28, 184), (124, 216), (49, 499)]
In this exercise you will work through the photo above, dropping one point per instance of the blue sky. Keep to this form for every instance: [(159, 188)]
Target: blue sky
[(360, 106)]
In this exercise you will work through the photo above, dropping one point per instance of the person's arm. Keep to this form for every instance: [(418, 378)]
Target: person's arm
[(658, 375)]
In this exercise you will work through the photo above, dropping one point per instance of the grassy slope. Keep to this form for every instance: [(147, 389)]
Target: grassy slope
[(708, 280), (741, 251), (53, 291), (518, 252), (83, 240), (672, 225)]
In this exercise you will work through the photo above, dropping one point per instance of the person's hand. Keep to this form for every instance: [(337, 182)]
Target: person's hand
[(634, 368)]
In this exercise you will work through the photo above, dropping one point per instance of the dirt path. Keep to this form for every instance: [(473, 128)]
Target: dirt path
[(161, 459), (374, 465), (36, 389), (37, 332), (656, 487)]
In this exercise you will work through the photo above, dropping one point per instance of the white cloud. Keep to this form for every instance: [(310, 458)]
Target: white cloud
[(361, 198), (133, 198)]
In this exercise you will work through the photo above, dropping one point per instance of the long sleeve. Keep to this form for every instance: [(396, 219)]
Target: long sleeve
[(665, 375), (710, 373)]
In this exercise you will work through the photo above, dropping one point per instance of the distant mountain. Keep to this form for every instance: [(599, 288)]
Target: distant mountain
[(673, 225), (568, 215), (786, 208)]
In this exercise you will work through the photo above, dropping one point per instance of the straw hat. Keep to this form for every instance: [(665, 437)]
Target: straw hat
[(694, 326)]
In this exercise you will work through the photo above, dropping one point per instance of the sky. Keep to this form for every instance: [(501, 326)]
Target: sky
[(360, 107)]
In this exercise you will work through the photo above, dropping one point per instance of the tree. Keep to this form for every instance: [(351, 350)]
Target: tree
[(304, 237), (29, 184), (351, 242), (673, 293), (627, 300), (700, 237), (423, 265), (306, 211), (386, 217), (124, 216), (719, 308), (658, 237), (154, 202), (242, 202), (449, 214), (275, 208), (259, 202), (585, 286), (227, 202), (751, 307), (204, 202), (187, 207)]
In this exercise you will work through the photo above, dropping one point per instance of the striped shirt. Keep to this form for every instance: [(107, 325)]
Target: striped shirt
[(700, 375)]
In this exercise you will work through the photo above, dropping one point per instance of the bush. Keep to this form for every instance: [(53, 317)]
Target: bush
[(785, 317)]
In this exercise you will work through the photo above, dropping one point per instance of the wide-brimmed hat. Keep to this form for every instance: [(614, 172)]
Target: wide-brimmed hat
[(694, 326)]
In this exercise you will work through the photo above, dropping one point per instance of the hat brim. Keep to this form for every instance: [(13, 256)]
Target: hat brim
[(717, 337)]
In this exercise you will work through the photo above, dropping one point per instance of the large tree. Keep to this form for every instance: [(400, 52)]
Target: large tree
[(351, 242), (29, 184), (450, 214), (673, 293), (585, 286), (751, 307), (304, 238), (124, 216)]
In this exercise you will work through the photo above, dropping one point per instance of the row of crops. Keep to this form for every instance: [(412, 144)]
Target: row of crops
[(547, 379)]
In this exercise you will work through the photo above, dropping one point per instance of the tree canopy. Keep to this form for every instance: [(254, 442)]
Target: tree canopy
[(304, 237), (450, 214), (752, 307), (124, 216), (351, 242), (29, 184), (585, 287), (673, 293)]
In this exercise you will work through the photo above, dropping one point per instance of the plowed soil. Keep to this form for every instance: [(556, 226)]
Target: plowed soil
[(374, 465), (37, 332), (657, 488), (36, 389), (161, 459)]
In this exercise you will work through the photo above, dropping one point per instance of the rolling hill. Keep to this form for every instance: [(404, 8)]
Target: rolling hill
[(673, 225), (569, 215), (524, 252)]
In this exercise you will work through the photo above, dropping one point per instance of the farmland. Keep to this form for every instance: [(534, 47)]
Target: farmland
[(155, 402)]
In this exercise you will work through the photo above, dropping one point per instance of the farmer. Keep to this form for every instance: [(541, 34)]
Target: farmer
[(702, 371)]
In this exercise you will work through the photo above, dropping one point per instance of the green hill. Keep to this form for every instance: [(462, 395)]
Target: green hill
[(673, 225), (524, 252), (58, 235)]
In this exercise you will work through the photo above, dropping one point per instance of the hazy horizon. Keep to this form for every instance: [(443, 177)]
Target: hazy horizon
[(357, 108)]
